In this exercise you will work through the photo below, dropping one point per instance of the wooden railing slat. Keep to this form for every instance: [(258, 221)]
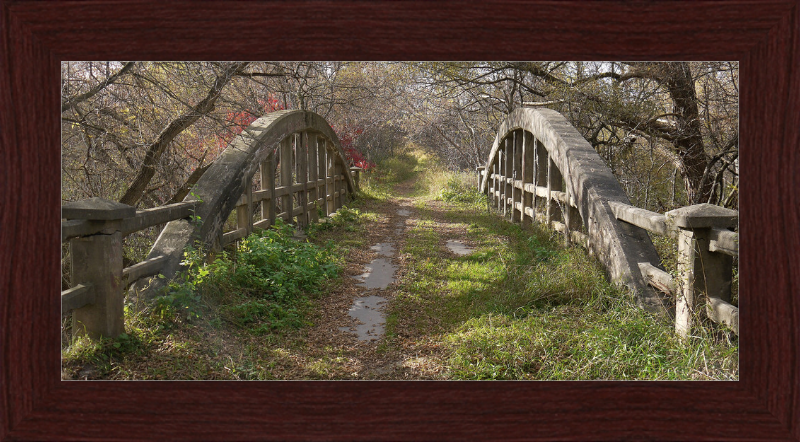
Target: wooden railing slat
[(147, 267), (158, 215), (651, 221), (722, 312), (657, 277), (79, 296), (724, 241)]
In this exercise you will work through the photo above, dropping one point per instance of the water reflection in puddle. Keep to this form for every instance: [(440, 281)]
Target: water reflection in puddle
[(378, 275), (383, 248), (404, 212), (459, 248), (372, 321)]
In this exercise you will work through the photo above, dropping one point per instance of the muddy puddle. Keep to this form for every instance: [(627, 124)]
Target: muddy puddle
[(370, 321), (378, 275), (383, 248), (459, 248)]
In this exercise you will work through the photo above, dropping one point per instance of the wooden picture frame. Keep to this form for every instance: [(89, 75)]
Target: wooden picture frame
[(37, 35)]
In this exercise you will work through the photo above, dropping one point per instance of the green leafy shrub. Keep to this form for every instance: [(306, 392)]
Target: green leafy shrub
[(265, 281)]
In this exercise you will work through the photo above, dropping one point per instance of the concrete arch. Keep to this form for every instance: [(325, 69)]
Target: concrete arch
[(224, 182), (591, 185)]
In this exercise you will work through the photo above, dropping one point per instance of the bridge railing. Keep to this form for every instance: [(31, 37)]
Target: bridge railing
[(541, 169), (94, 229), (302, 176), (706, 248), (534, 203)]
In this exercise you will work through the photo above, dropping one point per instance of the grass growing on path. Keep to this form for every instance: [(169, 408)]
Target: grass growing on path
[(523, 306)]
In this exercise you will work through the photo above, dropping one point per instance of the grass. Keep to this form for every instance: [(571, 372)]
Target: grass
[(521, 306), (205, 324)]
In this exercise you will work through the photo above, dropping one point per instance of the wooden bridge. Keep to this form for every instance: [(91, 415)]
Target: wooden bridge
[(301, 170), (540, 169)]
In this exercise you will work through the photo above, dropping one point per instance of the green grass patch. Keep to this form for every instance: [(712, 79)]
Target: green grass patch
[(200, 326), (524, 306)]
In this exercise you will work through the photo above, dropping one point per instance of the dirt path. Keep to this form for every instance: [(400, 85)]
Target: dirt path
[(333, 340)]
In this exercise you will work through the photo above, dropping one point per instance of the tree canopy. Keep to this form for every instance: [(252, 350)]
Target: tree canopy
[(143, 132)]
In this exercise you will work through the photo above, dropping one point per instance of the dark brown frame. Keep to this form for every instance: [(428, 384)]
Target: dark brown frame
[(37, 35)]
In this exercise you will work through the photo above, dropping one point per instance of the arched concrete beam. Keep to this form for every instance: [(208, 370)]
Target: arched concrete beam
[(619, 246), (224, 182)]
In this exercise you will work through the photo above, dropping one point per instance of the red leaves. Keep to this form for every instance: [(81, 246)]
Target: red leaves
[(240, 120), (347, 137)]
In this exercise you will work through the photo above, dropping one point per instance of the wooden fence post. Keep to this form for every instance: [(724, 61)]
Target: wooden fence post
[(287, 203), (313, 157), (330, 182), (356, 173), (508, 175), (527, 176), (301, 153), (516, 200), (701, 272), (554, 181), (322, 174), (496, 193), (97, 260), (268, 183), (244, 213), (338, 183), (540, 176)]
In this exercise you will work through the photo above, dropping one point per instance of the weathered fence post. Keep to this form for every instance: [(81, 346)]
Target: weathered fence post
[(497, 169), (322, 174), (528, 147), (268, 183), (330, 180), (244, 213), (508, 175), (356, 173), (701, 272), (97, 260), (554, 181), (540, 178), (287, 203), (516, 201), (313, 169)]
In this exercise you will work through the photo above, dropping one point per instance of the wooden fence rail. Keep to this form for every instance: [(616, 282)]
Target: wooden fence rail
[(302, 177), (705, 248)]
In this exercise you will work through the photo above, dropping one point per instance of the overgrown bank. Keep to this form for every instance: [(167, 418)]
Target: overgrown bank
[(521, 306)]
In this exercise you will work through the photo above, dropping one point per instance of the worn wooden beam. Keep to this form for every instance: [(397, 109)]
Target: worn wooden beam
[(302, 176), (650, 221), (657, 278), (232, 236), (724, 241), (79, 296), (286, 176), (722, 312), (148, 267)]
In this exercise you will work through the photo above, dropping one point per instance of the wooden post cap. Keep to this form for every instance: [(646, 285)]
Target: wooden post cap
[(701, 216), (97, 209)]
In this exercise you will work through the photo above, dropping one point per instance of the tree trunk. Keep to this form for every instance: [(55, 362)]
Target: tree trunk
[(175, 127), (688, 140)]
